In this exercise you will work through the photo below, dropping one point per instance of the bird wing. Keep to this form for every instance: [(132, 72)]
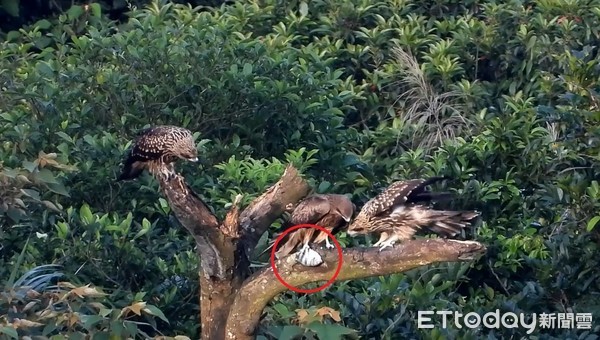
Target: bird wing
[(310, 210), (149, 145), (390, 225), (405, 221), (397, 193)]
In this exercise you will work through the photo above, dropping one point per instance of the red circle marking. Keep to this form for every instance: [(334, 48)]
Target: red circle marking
[(296, 289)]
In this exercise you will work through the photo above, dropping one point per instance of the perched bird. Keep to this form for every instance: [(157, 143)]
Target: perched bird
[(330, 211), (156, 148), (403, 209)]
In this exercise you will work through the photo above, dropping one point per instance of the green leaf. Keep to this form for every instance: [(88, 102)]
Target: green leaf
[(49, 327), (62, 229), (10, 332), (236, 140), (323, 187), (44, 68), (90, 320), (12, 36), (31, 193), (64, 136), (153, 310), (58, 188), (303, 9), (592, 223), (43, 24), (10, 6), (333, 332), (290, 332), (145, 228), (283, 310), (75, 12), (247, 70), (46, 176), (350, 160), (29, 166), (104, 312), (15, 214), (96, 9), (86, 214)]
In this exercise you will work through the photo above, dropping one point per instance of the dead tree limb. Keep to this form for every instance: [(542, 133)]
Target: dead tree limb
[(261, 213), (263, 286)]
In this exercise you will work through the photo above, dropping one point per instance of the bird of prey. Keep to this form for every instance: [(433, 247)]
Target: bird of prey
[(330, 211), (156, 148), (403, 209)]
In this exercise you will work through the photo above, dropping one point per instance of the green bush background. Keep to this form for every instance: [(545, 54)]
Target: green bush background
[(501, 97)]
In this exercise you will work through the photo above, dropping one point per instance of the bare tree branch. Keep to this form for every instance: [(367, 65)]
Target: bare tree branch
[(265, 209), (200, 222), (263, 286)]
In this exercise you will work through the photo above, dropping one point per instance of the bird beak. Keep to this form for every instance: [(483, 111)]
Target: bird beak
[(195, 159), (351, 232)]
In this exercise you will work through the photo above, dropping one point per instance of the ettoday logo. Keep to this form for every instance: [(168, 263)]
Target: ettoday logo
[(497, 320)]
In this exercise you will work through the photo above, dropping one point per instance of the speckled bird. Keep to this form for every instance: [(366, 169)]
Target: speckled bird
[(156, 148), (403, 209), (330, 211)]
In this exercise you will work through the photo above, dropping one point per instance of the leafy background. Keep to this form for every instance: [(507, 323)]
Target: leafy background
[(502, 97)]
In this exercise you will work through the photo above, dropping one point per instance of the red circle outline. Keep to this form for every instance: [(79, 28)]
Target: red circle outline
[(296, 289)]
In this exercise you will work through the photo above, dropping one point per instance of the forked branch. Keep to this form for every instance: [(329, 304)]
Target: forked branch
[(269, 206)]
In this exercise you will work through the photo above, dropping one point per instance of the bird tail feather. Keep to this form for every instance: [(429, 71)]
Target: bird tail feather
[(449, 223), (287, 244), (131, 168)]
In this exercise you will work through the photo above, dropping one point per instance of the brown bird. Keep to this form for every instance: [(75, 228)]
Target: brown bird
[(329, 211), (403, 209), (157, 147)]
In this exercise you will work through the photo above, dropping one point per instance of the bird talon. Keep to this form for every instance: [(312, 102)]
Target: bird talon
[(328, 245), (386, 245)]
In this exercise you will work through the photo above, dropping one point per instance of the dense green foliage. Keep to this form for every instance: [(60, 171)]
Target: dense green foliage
[(501, 97)]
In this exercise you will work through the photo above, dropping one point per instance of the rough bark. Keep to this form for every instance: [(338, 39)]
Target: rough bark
[(230, 302), (261, 213), (263, 286)]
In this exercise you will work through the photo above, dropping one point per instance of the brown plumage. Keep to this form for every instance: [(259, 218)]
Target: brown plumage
[(157, 147), (329, 211), (403, 209)]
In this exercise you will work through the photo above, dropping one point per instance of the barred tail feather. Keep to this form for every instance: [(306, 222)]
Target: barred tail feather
[(300, 236), (131, 170), (287, 246), (449, 223)]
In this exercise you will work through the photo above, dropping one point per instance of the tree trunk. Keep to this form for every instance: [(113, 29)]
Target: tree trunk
[(231, 303)]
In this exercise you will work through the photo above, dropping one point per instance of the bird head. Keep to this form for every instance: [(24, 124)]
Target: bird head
[(358, 226), (190, 153), (343, 206)]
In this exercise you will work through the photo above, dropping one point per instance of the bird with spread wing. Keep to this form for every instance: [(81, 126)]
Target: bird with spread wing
[(156, 148), (404, 208), (330, 211)]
